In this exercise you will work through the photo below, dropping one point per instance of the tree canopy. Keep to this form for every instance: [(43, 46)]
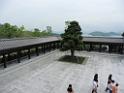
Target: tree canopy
[(123, 34), (72, 38), (12, 31)]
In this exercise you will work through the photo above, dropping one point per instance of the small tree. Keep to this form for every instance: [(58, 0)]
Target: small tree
[(72, 39), (122, 35), (36, 32)]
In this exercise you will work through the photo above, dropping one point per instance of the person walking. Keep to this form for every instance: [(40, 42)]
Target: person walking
[(112, 87), (116, 88), (108, 90), (95, 83), (109, 82), (69, 89)]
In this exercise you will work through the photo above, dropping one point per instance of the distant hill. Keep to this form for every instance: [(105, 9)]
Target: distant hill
[(55, 34), (98, 33)]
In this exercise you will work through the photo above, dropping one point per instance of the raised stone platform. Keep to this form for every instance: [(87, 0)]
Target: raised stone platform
[(44, 74)]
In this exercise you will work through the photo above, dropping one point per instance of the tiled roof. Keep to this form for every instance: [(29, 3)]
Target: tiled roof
[(14, 43), (104, 40)]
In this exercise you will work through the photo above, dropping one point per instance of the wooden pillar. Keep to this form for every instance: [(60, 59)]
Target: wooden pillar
[(122, 48), (41, 48), (47, 47), (53, 46), (9, 58), (50, 46), (118, 49), (44, 47), (60, 45), (57, 45), (91, 47), (84, 46), (110, 48), (88, 47), (37, 51), (4, 61), (29, 53), (100, 46), (18, 56)]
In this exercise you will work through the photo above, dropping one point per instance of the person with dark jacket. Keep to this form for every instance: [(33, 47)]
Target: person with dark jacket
[(108, 82), (69, 89)]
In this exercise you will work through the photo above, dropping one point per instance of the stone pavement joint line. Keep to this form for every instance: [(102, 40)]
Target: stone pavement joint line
[(45, 74)]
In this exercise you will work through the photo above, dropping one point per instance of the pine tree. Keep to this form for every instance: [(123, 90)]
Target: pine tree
[(72, 38), (123, 34)]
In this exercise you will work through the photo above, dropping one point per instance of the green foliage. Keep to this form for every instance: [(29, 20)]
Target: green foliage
[(123, 34), (72, 39), (12, 31), (75, 59), (36, 32), (49, 29)]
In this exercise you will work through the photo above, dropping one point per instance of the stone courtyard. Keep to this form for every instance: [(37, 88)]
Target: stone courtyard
[(45, 74)]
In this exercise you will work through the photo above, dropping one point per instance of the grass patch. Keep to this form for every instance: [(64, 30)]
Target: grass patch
[(75, 59)]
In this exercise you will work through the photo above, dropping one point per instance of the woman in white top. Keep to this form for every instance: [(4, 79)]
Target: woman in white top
[(95, 83)]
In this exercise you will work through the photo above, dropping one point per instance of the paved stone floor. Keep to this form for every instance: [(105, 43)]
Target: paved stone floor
[(44, 74)]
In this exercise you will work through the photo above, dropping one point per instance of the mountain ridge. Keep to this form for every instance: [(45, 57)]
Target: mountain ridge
[(100, 33)]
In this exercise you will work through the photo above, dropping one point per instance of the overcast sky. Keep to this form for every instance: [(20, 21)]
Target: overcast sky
[(92, 15)]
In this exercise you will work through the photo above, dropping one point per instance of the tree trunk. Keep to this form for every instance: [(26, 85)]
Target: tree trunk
[(72, 52)]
